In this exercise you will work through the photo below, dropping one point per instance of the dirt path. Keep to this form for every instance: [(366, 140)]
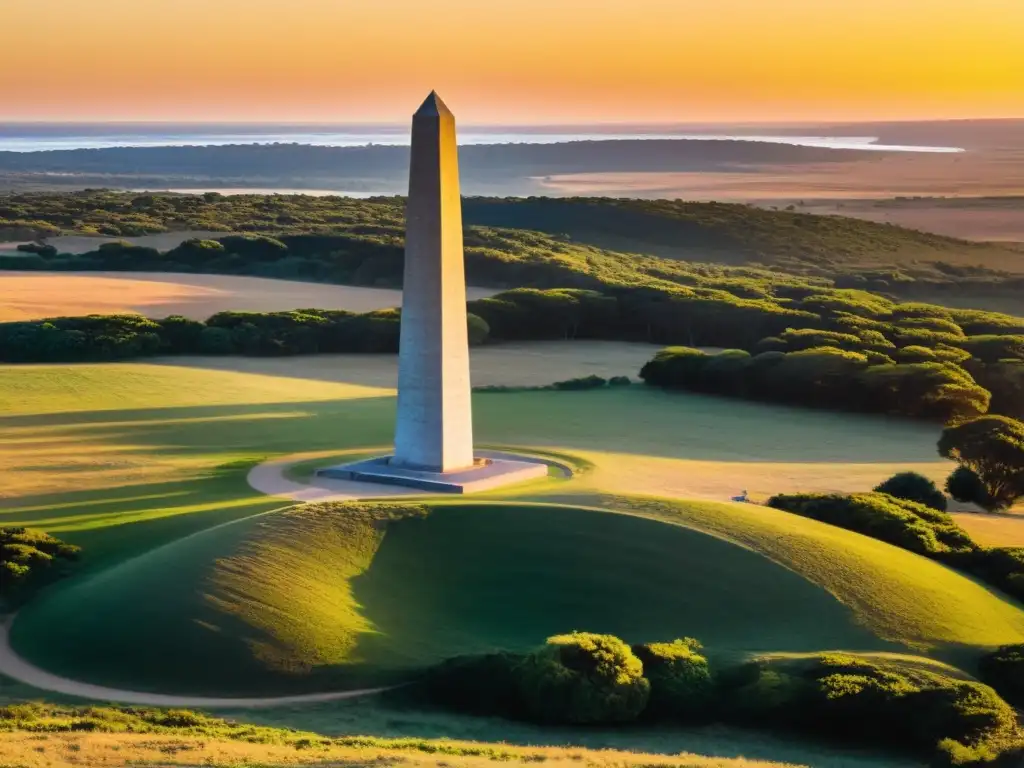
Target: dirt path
[(269, 475), (17, 668)]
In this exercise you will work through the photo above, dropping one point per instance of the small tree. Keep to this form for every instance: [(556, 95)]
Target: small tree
[(914, 487), (965, 486), (993, 447), (583, 678)]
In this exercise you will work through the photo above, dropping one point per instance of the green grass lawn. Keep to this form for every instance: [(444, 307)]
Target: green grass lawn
[(315, 599), (128, 460), (332, 597)]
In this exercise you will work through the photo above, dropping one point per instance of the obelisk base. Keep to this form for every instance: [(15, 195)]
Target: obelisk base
[(485, 475)]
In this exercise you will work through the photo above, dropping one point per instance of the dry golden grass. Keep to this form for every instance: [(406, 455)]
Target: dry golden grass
[(103, 750), (1004, 530), (26, 296), (43, 453)]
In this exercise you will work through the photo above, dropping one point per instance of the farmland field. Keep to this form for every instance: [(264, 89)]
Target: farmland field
[(32, 296)]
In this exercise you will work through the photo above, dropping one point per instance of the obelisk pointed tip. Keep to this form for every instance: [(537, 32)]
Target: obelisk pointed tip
[(433, 107)]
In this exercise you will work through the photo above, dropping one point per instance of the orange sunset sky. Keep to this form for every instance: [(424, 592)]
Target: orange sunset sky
[(511, 61)]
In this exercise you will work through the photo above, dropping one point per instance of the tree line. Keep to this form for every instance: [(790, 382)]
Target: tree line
[(912, 360)]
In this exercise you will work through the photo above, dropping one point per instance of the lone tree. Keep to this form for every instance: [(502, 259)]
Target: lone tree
[(914, 487), (993, 447)]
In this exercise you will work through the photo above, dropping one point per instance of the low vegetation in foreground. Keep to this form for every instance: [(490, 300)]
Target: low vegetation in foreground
[(584, 678), (30, 559), (36, 735)]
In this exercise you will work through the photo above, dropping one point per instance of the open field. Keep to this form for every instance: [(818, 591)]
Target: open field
[(31, 296), (128, 459), (112, 418), (969, 218), (996, 530), (513, 364)]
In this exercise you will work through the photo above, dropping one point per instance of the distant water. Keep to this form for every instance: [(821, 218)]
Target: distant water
[(266, 191), (41, 137)]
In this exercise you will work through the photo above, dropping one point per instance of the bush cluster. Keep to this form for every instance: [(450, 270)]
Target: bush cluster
[(860, 701), (907, 524), (1003, 669), (912, 486), (592, 679), (915, 527), (29, 559), (121, 337), (824, 377)]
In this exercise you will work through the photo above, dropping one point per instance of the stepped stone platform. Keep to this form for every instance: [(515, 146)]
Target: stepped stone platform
[(485, 474)]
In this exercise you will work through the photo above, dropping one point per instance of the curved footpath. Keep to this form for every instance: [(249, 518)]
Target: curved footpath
[(15, 667), (269, 478)]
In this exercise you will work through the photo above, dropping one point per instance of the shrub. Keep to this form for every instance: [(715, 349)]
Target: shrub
[(914, 487), (583, 382), (857, 700), (826, 377), (477, 328), (1003, 669), (479, 685), (583, 678), (45, 251), (29, 559), (964, 485), (906, 524), (619, 381), (681, 684)]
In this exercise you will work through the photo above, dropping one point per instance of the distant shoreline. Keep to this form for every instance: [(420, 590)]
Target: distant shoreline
[(51, 138)]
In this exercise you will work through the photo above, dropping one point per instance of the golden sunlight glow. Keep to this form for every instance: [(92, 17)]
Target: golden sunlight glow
[(511, 61)]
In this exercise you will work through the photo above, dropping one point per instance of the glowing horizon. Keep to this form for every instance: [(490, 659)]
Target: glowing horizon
[(511, 62)]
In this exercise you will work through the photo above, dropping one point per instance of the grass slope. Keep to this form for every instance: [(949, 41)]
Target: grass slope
[(49, 389), (335, 596), (98, 455)]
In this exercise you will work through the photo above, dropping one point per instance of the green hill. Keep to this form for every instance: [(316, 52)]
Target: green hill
[(333, 596), (703, 232)]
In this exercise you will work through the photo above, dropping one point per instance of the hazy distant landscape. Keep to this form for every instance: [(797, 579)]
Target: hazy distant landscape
[(966, 177)]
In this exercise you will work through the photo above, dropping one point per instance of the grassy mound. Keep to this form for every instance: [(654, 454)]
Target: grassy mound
[(338, 596), (897, 594), (351, 595)]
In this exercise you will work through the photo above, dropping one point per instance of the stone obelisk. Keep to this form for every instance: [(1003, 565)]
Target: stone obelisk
[(434, 431)]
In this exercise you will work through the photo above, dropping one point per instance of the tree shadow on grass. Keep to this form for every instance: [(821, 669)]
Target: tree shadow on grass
[(635, 420)]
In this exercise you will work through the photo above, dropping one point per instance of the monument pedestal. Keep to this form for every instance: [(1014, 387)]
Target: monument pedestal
[(486, 473)]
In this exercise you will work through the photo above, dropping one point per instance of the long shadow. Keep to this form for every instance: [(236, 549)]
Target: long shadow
[(637, 420)]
